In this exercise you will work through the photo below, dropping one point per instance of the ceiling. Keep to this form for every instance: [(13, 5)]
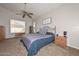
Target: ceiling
[(39, 9)]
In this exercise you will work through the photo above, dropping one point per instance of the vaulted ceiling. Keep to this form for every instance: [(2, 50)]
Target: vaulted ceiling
[(39, 9)]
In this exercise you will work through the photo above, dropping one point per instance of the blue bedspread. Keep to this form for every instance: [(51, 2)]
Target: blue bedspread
[(34, 42)]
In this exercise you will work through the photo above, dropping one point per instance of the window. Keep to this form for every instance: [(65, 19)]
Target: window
[(17, 26)]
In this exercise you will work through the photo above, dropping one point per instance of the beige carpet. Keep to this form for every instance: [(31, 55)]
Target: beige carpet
[(13, 47)]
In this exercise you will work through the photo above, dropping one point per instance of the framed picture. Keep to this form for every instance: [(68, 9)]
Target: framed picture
[(47, 21)]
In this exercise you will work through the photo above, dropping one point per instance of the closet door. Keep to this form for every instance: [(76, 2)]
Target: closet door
[(2, 32)]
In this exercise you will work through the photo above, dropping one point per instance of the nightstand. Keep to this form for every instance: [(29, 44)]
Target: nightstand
[(61, 41)]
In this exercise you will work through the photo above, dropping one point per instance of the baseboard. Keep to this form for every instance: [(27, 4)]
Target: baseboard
[(11, 38), (73, 46)]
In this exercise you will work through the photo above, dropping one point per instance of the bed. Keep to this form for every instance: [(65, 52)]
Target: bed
[(33, 42)]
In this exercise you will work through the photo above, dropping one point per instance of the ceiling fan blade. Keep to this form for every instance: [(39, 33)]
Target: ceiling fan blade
[(29, 16), (24, 15), (27, 12), (23, 11), (31, 13), (18, 13)]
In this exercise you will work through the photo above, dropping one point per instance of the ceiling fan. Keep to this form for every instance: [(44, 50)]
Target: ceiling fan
[(24, 12)]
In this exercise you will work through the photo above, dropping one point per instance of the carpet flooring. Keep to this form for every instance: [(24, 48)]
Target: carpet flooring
[(13, 47)]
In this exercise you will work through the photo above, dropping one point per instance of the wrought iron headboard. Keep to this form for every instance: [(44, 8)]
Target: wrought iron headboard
[(49, 28)]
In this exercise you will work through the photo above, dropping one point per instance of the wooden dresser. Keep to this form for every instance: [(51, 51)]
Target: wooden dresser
[(2, 33), (61, 41)]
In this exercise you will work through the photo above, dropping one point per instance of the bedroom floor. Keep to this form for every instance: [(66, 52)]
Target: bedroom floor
[(13, 47)]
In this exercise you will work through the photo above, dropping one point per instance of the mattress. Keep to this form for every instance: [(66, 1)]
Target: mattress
[(30, 38), (34, 41)]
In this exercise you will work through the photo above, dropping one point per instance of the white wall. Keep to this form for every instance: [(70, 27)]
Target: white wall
[(65, 18), (6, 15)]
